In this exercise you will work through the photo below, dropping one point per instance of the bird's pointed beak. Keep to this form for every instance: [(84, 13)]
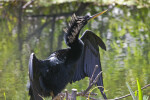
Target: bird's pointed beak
[(96, 15)]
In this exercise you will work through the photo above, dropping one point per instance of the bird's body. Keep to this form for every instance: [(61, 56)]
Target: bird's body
[(58, 71), (50, 76)]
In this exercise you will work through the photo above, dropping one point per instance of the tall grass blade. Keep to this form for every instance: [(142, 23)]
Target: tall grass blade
[(139, 90), (4, 95), (131, 92), (136, 93)]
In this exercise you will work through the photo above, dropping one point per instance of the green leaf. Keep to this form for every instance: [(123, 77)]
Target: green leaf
[(140, 91), (131, 92), (136, 93), (4, 95)]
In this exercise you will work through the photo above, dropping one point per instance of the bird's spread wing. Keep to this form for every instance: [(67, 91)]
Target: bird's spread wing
[(35, 80), (90, 57), (40, 70)]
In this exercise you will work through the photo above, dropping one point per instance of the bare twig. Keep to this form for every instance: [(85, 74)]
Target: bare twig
[(91, 79), (27, 4), (66, 92), (52, 15), (91, 98), (81, 93), (93, 83), (60, 96)]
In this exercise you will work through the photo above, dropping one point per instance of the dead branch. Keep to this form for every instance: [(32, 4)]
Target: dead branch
[(51, 15), (93, 83), (91, 79), (38, 30), (81, 93), (91, 98), (27, 4)]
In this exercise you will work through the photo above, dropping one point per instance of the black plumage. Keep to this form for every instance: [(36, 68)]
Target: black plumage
[(50, 76)]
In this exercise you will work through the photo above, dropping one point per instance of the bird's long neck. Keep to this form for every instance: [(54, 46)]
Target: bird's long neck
[(72, 38), (73, 30)]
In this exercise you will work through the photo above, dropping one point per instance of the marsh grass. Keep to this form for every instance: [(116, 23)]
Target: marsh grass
[(137, 95)]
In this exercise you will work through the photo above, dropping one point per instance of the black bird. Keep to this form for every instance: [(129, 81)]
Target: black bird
[(50, 76)]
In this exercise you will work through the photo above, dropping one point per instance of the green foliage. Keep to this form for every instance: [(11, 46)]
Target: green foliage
[(139, 92)]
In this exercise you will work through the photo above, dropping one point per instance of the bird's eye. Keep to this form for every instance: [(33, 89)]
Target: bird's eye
[(86, 17)]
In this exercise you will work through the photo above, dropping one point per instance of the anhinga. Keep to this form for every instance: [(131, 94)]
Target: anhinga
[(50, 76)]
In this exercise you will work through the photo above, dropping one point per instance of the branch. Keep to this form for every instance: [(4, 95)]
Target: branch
[(60, 96), (91, 79), (130, 94), (51, 34), (52, 15), (91, 98), (79, 11), (93, 83), (82, 8), (38, 30), (81, 93), (27, 4)]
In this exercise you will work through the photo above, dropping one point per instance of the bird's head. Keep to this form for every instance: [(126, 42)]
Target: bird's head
[(76, 24), (85, 19), (89, 18)]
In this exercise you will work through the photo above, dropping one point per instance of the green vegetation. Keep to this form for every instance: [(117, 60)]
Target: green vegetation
[(38, 28), (139, 92)]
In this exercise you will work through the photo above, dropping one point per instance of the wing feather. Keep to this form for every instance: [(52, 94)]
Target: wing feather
[(31, 66), (90, 57), (34, 88)]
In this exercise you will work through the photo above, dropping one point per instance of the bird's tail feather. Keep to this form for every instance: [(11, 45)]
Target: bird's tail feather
[(101, 88), (34, 95)]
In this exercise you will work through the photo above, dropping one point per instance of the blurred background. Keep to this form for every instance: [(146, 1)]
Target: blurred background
[(37, 26)]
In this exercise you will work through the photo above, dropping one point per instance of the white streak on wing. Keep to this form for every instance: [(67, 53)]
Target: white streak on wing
[(31, 66), (54, 60)]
